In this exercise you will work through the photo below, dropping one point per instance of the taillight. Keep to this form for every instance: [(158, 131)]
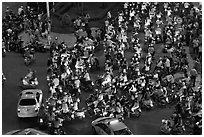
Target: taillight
[(19, 110)]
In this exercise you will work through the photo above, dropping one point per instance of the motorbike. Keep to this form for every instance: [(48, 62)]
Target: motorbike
[(42, 118), (166, 48), (3, 52), (179, 130), (173, 98), (79, 114), (28, 60), (40, 47), (98, 113), (59, 131), (99, 81), (87, 86), (26, 83), (42, 122), (197, 129), (148, 104), (165, 128), (3, 79), (135, 112), (26, 51), (162, 101)]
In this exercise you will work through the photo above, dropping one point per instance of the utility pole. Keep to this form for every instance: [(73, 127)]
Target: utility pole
[(48, 10), (48, 16), (49, 23)]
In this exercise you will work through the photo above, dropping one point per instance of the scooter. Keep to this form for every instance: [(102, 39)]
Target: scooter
[(148, 104), (59, 130), (26, 84), (3, 79), (79, 114), (179, 130), (165, 128), (87, 86), (135, 112), (3, 52), (40, 47), (28, 60)]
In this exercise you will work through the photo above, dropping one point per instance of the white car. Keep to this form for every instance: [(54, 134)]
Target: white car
[(110, 126), (29, 103), (27, 131)]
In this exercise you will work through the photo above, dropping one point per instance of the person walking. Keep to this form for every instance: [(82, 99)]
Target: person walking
[(193, 76)]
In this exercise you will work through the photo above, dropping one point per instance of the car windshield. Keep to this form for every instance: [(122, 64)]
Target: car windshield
[(27, 102), (124, 131)]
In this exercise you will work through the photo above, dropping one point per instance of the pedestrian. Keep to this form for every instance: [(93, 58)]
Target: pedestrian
[(195, 46), (193, 76)]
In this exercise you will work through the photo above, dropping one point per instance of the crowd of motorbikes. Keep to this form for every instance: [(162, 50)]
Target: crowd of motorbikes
[(130, 91), (124, 89), (187, 116), (30, 21)]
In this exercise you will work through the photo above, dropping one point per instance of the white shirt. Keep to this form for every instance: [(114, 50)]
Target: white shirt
[(167, 63), (19, 11)]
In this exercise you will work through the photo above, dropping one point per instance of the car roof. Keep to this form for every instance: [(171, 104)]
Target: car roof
[(117, 126), (27, 131), (113, 123), (30, 93)]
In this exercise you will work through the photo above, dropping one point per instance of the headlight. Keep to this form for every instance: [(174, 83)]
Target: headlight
[(36, 109), (18, 110)]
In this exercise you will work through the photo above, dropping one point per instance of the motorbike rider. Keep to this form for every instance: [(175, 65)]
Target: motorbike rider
[(135, 105), (31, 76), (177, 121), (65, 108), (3, 78), (118, 109), (58, 123)]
